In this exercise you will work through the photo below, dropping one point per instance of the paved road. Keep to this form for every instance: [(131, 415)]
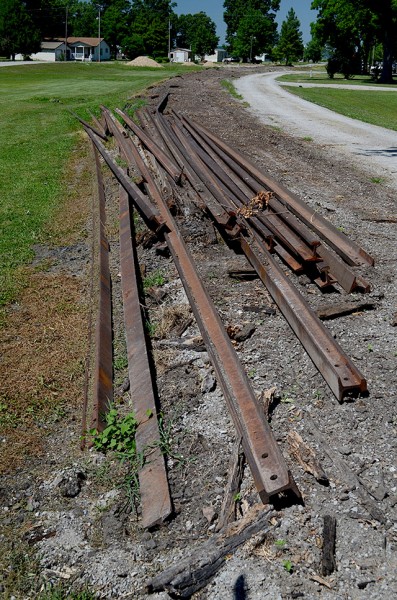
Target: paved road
[(15, 63), (372, 148)]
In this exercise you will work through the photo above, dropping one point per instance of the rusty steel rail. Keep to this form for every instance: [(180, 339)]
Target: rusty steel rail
[(218, 204), (268, 224), (120, 135), (86, 126), (349, 250), (334, 365), (337, 369), (278, 211), (98, 124), (149, 213), (153, 483), (174, 171), (266, 462), (103, 369)]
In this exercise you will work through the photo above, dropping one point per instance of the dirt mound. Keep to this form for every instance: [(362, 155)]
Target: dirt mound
[(144, 61)]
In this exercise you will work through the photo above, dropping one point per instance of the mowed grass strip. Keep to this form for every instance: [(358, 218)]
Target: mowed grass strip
[(376, 108), (320, 76), (37, 139)]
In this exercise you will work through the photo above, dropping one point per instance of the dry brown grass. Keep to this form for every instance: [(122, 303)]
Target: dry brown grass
[(170, 317), (44, 335), (43, 349)]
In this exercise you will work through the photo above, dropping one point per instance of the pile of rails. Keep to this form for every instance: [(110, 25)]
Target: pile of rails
[(254, 214)]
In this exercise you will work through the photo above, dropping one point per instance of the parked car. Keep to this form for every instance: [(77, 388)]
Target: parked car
[(230, 59)]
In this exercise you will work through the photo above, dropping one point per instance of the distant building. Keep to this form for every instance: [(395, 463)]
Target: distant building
[(219, 55), (180, 55), (81, 49), (85, 48)]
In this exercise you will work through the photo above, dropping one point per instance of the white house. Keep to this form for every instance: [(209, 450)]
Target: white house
[(85, 48), (180, 55), (218, 56), (82, 49)]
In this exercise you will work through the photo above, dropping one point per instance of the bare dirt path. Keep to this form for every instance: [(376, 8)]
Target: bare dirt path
[(371, 148)]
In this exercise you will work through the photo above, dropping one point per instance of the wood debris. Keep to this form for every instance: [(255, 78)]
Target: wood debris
[(328, 564), (306, 456)]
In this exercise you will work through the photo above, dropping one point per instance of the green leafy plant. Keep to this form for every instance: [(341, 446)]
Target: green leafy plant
[(118, 435), (370, 348), (121, 362), (288, 566), (151, 328), (155, 279), (280, 543)]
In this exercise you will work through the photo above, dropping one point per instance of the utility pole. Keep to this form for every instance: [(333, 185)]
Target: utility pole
[(99, 33), (66, 33), (169, 37)]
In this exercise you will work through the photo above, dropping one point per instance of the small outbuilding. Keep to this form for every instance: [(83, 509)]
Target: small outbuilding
[(219, 55), (180, 55)]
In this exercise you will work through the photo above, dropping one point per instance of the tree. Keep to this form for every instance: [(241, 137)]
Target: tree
[(83, 19), (290, 44), (352, 27), (150, 21), (18, 34), (116, 23), (251, 26), (197, 32), (385, 22), (49, 16), (313, 51)]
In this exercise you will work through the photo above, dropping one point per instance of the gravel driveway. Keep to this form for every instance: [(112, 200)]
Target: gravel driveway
[(370, 147)]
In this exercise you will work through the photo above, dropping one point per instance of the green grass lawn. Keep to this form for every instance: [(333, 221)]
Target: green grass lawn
[(319, 75), (377, 108), (37, 137)]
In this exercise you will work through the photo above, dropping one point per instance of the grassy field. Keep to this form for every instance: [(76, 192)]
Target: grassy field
[(37, 139), (319, 75), (377, 108)]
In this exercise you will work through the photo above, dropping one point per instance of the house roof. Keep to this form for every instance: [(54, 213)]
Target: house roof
[(88, 41), (51, 45)]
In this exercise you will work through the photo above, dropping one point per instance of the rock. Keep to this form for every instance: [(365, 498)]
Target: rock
[(208, 384), (71, 482), (162, 250), (245, 333), (188, 525), (209, 513)]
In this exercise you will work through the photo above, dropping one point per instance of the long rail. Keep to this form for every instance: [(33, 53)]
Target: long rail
[(153, 483), (264, 457)]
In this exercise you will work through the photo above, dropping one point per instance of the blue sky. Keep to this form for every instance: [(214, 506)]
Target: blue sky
[(214, 9)]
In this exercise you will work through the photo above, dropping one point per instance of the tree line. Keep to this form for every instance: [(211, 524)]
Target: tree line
[(130, 27), (350, 33)]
